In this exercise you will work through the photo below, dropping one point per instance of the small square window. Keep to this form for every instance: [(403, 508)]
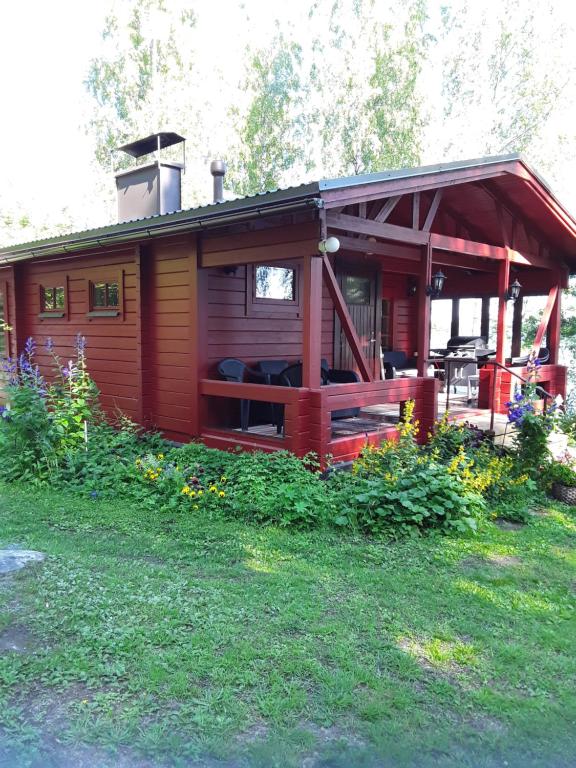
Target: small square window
[(52, 299), (105, 295), (275, 283)]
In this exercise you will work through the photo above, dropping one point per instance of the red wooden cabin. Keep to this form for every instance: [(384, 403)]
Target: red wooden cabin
[(162, 299)]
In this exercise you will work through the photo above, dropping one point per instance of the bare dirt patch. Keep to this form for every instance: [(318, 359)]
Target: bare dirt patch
[(508, 525), (17, 639)]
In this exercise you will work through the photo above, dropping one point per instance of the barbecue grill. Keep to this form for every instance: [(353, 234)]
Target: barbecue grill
[(460, 359)]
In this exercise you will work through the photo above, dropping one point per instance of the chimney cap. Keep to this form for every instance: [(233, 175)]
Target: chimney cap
[(218, 168), (151, 143)]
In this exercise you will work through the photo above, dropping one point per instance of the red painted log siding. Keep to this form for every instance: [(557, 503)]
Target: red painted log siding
[(111, 350), (234, 332), (167, 331)]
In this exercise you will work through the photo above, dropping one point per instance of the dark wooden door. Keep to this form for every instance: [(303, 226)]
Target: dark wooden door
[(361, 292)]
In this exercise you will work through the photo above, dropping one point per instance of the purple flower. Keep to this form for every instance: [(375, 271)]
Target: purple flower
[(49, 345), (30, 347), (80, 344)]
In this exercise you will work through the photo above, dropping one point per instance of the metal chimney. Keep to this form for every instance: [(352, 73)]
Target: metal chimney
[(153, 187), (218, 170)]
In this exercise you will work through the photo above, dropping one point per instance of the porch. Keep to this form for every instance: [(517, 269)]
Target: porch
[(358, 278)]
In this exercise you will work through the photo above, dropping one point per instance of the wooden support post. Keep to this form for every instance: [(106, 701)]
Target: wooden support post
[(141, 349), (485, 318), (312, 328), (517, 327), (346, 320), (554, 330), (540, 333), (503, 281), (424, 309), (455, 322), (198, 282)]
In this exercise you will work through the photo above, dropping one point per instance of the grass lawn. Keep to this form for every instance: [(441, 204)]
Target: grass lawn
[(153, 640)]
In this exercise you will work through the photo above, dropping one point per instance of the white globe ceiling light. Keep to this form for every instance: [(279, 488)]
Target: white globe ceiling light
[(329, 245)]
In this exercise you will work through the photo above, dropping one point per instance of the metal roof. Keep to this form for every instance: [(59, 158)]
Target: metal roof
[(264, 203)]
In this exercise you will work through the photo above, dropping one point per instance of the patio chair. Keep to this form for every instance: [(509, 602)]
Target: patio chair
[(235, 370), (543, 357), (272, 370)]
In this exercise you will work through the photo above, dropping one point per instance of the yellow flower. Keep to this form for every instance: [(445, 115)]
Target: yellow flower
[(221, 494), (195, 506), (212, 489), (223, 479), (185, 490), (200, 493), (138, 462), (160, 456), (192, 493)]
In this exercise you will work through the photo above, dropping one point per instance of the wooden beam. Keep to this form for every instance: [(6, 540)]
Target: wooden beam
[(540, 333), (517, 327), (424, 310), (447, 259), (348, 243), (387, 208), (348, 223), (503, 282), (345, 319), (312, 325), (416, 210), (468, 247), (434, 205)]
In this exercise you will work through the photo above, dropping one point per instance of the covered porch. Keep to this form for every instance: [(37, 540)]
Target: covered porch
[(365, 286)]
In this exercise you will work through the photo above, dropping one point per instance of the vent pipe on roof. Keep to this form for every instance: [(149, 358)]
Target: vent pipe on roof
[(218, 170)]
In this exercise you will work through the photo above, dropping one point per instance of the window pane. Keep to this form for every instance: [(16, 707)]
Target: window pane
[(275, 283), (47, 299), (113, 295), (357, 289), (59, 298), (99, 294), (441, 323), (470, 317)]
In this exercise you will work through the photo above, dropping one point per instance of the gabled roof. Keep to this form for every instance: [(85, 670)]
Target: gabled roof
[(516, 180)]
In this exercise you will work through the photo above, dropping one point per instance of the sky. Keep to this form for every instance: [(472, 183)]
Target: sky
[(45, 51)]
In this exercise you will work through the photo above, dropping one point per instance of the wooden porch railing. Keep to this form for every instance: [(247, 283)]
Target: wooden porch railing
[(307, 412)]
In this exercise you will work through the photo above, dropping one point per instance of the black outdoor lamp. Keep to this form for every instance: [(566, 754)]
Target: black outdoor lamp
[(435, 289), (513, 291)]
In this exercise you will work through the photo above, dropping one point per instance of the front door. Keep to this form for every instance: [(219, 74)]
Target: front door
[(360, 292)]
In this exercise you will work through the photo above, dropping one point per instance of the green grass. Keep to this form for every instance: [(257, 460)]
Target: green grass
[(156, 639)]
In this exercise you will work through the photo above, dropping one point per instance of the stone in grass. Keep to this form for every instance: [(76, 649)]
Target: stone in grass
[(13, 559)]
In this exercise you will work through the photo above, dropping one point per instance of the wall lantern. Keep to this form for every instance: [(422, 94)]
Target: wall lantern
[(435, 289), (513, 291), (329, 245)]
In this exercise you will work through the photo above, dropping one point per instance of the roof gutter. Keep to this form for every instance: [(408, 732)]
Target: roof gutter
[(146, 230)]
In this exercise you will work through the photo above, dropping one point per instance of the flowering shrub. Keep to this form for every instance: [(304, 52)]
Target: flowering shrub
[(44, 419), (533, 425)]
